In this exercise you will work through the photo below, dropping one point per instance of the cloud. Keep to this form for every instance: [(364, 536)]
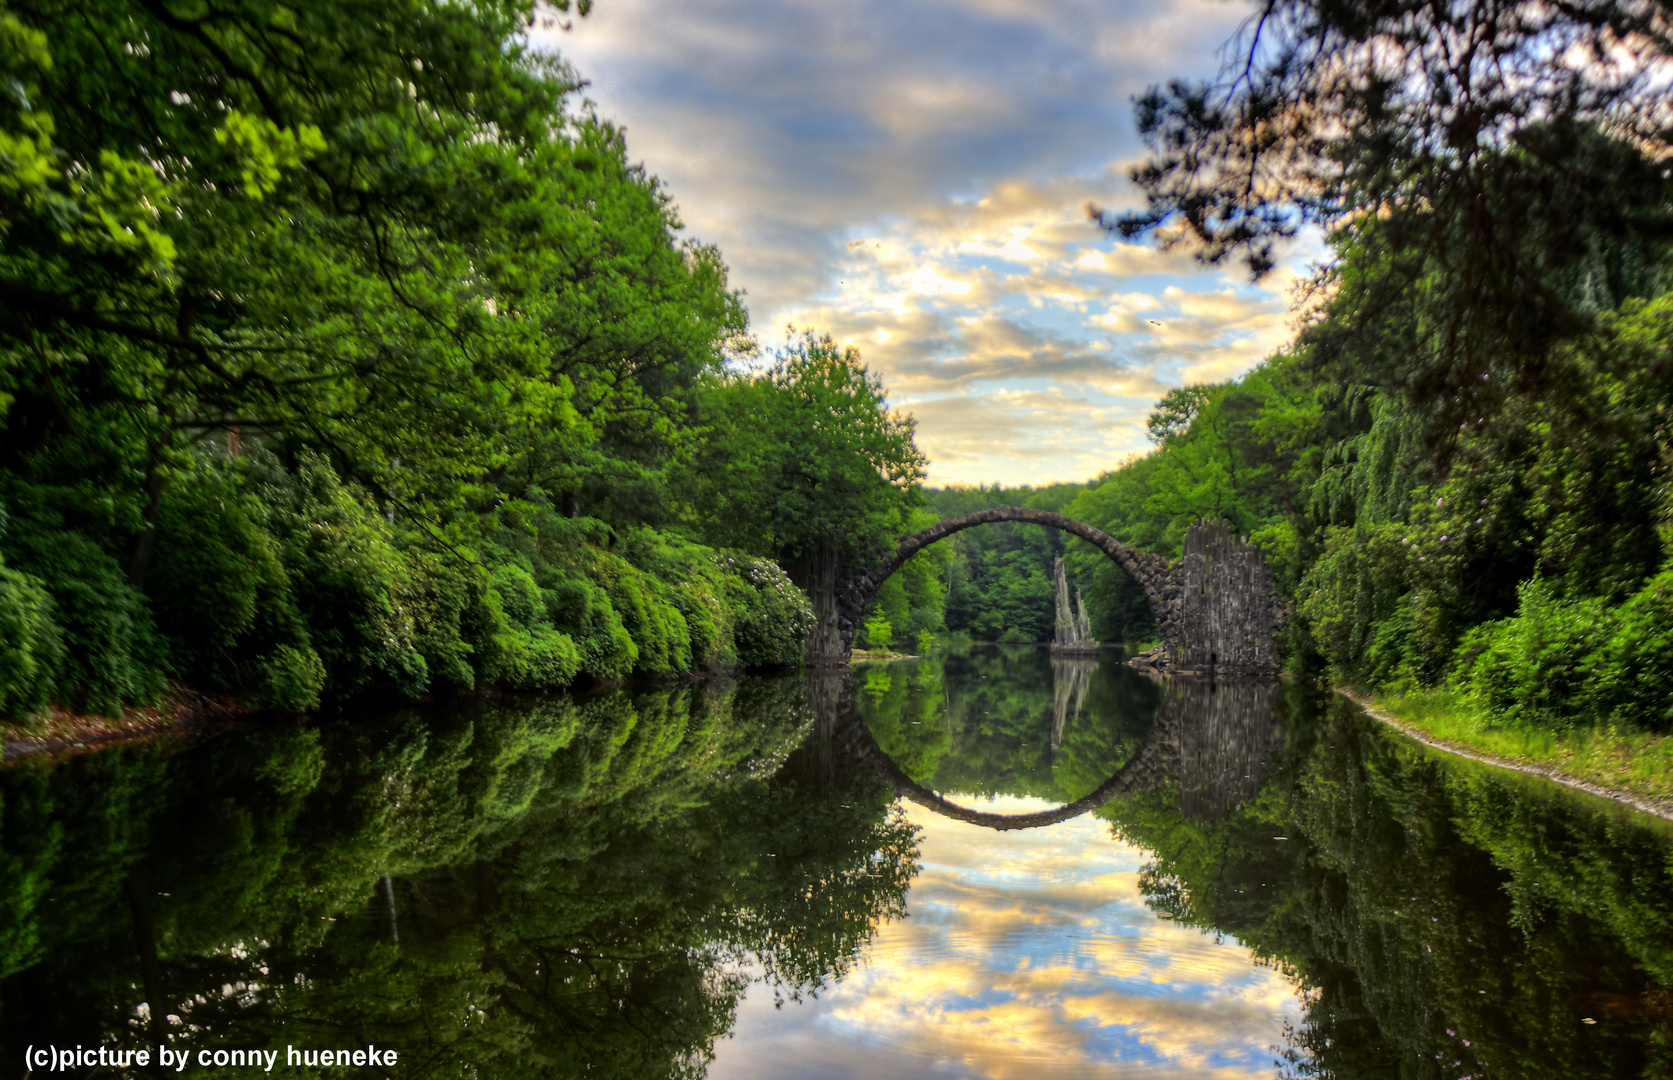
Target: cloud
[(800, 119), (913, 179), (1029, 955), (1029, 345)]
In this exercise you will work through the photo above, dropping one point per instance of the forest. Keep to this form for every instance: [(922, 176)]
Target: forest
[(346, 356)]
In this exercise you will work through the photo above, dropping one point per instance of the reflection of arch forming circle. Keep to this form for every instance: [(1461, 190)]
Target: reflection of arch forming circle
[(1215, 739), (1144, 770), (1152, 572), (1147, 768)]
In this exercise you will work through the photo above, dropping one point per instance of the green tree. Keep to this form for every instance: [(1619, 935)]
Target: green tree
[(808, 465), (337, 312), (1495, 201)]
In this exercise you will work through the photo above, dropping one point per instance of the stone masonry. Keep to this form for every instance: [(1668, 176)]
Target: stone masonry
[(1215, 739), (1216, 607), (1224, 612)]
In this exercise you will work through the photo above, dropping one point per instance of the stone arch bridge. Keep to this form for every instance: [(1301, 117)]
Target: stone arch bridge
[(1216, 606)]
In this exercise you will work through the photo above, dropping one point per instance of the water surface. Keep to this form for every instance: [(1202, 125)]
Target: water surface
[(832, 878)]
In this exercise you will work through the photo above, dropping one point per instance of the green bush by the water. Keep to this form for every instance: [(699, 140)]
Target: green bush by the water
[(75, 594), (1559, 663), (283, 586)]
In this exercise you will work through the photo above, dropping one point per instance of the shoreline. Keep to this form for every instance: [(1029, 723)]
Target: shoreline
[(183, 710), (1662, 808)]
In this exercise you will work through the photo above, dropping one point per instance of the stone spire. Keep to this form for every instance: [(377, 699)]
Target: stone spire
[(1074, 631)]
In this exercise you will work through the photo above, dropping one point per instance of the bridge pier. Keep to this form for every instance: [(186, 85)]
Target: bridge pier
[(1224, 612)]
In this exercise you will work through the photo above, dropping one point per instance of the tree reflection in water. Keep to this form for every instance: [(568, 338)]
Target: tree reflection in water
[(587, 886), (1444, 919), (1440, 918), (577, 887)]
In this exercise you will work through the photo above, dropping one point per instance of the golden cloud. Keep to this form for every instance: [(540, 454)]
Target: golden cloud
[(1032, 954)]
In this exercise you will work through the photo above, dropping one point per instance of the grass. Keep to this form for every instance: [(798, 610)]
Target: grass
[(1621, 759)]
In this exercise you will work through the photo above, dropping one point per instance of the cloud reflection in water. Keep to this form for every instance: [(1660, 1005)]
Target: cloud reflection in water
[(1026, 955)]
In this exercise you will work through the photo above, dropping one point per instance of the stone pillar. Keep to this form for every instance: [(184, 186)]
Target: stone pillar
[(1224, 610)]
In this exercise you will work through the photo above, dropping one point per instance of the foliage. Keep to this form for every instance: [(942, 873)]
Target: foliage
[(1247, 453), (324, 322), (771, 617), (810, 455), (878, 633), (1405, 573), (999, 576), (1459, 469), (1557, 663), (31, 652), (109, 648), (912, 602), (560, 875), (1495, 199)]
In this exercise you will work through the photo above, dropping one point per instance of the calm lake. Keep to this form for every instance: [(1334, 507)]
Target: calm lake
[(986, 863)]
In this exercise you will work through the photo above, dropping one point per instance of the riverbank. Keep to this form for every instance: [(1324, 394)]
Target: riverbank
[(1631, 767), (57, 731)]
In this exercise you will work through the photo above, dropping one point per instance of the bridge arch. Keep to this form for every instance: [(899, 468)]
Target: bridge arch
[(1216, 607), (1152, 572), (1215, 739), (1144, 770)]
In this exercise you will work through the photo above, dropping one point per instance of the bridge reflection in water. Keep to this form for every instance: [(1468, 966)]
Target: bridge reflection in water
[(1213, 738), (1025, 949)]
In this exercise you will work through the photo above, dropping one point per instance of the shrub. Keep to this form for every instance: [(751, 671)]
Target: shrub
[(221, 595), (499, 650), (437, 597), (519, 595), (31, 651), (292, 679), (1635, 671), (656, 626), (554, 661), (1539, 668), (111, 652), (353, 587), (583, 611), (528, 654), (771, 616)]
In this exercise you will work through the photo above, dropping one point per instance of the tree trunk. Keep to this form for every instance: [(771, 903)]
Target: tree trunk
[(389, 896), (147, 538), (150, 971), (816, 573)]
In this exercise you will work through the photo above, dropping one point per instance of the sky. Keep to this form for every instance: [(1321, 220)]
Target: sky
[(1025, 955), (912, 178)]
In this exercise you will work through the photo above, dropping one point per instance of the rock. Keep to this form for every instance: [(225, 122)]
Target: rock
[(1155, 660)]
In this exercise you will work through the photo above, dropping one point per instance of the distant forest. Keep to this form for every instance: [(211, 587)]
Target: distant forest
[(345, 358)]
